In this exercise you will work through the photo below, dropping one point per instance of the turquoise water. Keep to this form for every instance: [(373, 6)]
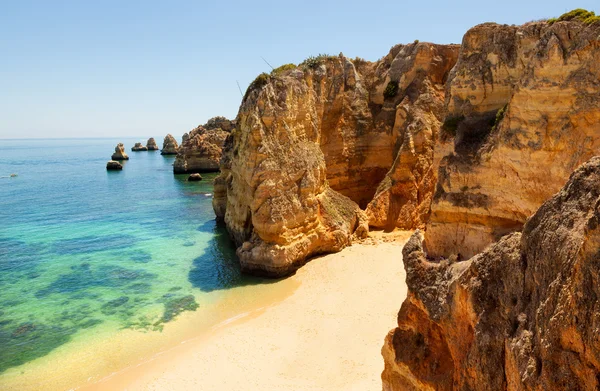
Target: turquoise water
[(83, 248)]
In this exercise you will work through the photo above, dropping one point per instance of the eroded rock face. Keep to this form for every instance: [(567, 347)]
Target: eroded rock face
[(151, 144), (139, 147), (119, 153), (312, 145), (523, 113), (170, 146), (201, 149), (114, 165), (522, 315)]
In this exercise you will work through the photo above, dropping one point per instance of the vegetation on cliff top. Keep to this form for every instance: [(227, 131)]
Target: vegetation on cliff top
[(585, 16), (391, 90), (314, 61), (279, 70)]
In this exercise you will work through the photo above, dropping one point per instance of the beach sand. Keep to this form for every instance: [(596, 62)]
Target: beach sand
[(327, 335)]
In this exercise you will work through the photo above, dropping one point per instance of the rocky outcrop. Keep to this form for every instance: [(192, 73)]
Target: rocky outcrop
[(139, 147), (151, 144), (119, 153), (170, 146), (202, 148), (194, 177), (114, 165), (315, 143), (523, 112), (522, 315)]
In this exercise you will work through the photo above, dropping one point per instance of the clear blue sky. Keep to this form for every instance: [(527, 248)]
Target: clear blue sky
[(147, 68)]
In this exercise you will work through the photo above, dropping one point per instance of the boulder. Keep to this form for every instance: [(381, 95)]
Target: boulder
[(194, 177), (114, 165)]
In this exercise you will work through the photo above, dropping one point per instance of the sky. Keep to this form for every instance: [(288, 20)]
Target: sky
[(148, 68)]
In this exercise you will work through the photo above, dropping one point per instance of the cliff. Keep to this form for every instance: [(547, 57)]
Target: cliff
[(201, 149), (170, 146), (522, 114), (315, 143), (522, 315)]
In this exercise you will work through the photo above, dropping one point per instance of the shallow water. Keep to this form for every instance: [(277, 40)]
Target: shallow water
[(85, 251)]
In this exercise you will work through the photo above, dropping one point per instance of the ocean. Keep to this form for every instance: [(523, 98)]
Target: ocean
[(88, 254)]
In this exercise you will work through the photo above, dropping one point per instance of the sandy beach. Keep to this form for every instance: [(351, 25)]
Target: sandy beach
[(327, 335)]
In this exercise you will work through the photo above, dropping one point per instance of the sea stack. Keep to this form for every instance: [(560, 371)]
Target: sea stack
[(194, 177), (151, 144), (201, 149), (170, 146), (139, 147), (114, 165), (119, 153)]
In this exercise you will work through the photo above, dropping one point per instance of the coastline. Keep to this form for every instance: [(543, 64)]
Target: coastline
[(326, 335)]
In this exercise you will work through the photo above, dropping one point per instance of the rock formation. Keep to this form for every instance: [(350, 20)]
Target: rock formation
[(139, 147), (201, 149), (170, 146), (522, 315), (151, 144), (523, 112), (315, 142), (194, 177), (114, 165), (119, 153)]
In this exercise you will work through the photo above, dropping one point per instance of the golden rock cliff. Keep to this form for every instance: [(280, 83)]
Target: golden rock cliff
[(523, 113), (202, 148), (315, 143), (522, 315)]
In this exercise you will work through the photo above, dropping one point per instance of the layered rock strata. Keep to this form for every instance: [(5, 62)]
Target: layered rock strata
[(170, 146), (523, 112), (119, 153), (202, 148), (315, 143), (151, 144), (522, 315)]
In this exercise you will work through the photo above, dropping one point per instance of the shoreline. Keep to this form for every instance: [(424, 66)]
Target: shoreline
[(326, 335)]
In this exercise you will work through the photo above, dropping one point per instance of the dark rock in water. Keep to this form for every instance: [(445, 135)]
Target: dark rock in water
[(139, 147), (170, 146), (23, 329), (114, 165), (194, 178), (119, 153), (151, 144)]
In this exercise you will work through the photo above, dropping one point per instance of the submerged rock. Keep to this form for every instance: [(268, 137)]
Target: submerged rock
[(139, 147), (170, 146), (202, 148), (119, 153), (522, 315), (151, 144), (114, 165), (194, 177)]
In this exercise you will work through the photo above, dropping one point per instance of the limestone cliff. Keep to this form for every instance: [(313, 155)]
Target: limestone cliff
[(201, 148), (523, 112), (313, 144), (151, 144), (170, 146), (522, 315)]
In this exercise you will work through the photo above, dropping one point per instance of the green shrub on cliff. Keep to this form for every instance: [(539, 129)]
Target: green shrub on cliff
[(260, 81), (499, 117), (279, 70), (585, 16), (391, 90), (314, 61)]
